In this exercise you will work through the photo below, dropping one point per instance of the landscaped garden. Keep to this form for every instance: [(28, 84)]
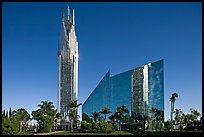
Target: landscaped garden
[(118, 123)]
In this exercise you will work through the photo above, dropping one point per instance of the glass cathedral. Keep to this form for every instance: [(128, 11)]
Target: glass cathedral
[(139, 89), (67, 68)]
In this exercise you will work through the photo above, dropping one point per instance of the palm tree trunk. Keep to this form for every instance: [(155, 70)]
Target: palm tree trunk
[(71, 125), (120, 126), (20, 126), (171, 111)]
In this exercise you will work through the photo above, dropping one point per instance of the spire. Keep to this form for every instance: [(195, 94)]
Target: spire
[(63, 15), (68, 12), (73, 17)]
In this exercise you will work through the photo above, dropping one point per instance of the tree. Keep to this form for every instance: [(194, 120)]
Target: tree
[(95, 116), (14, 112), (159, 118), (4, 112), (187, 118), (116, 117), (73, 113), (168, 125), (45, 116), (73, 104), (153, 116), (127, 119), (73, 117), (10, 112), (86, 118), (10, 125), (112, 119), (172, 100), (105, 111), (7, 114), (195, 114), (122, 111), (47, 107), (179, 118), (22, 116), (58, 116)]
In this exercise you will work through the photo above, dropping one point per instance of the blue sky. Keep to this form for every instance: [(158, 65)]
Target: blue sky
[(115, 36)]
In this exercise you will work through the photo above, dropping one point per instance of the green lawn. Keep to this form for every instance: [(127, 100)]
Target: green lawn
[(132, 133), (25, 133), (77, 133)]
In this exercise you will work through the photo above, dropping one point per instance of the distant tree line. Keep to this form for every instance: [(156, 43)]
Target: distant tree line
[(16, 122), (183, 121)]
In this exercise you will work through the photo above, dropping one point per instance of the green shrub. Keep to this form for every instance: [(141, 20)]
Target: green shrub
[(86, 126), (89, 126), (168, 125), (83, 125), (108, 127), (10, 126), (96, 128)]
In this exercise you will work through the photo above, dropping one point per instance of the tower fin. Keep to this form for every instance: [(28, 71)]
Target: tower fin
[(63, 15), (68, 12), (73, 18)]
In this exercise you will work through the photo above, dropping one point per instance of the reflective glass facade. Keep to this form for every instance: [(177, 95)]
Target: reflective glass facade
[(138, 89)]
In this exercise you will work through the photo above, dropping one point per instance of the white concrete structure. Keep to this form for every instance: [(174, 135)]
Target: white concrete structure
[(67, 65)]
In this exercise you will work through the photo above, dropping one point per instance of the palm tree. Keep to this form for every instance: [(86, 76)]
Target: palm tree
[(73, 112), (112, 118), (153, 115), (179, 117), (195, 114), (45, 116), (73, 104), (73, 118), (173, 99), (186, 119), (58, 116), (47, 107), (95, 116), (122, 110), (105, 111), (22, 116), (117, 118), (14, 112)]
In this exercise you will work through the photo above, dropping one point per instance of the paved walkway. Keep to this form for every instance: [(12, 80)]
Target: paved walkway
[(47, 133)]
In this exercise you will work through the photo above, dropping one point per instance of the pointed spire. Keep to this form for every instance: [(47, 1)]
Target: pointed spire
[(63, 15), (68, 12), (73, 18)]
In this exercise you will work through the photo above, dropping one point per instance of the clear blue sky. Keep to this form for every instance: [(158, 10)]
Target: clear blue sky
[(115, 36)]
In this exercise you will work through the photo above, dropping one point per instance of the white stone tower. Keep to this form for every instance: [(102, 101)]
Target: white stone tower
[(67, 66)]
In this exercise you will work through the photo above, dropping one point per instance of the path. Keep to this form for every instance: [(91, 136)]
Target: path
[(47, 133)]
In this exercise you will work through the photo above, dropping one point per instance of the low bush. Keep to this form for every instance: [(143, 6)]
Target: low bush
[(108, 127), (96, 127)]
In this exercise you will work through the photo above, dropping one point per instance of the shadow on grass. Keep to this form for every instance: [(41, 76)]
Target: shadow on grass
[(171, 133)]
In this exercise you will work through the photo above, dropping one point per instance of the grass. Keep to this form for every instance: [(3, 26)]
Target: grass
[(78, 133), (25, 133), (133, 133)]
